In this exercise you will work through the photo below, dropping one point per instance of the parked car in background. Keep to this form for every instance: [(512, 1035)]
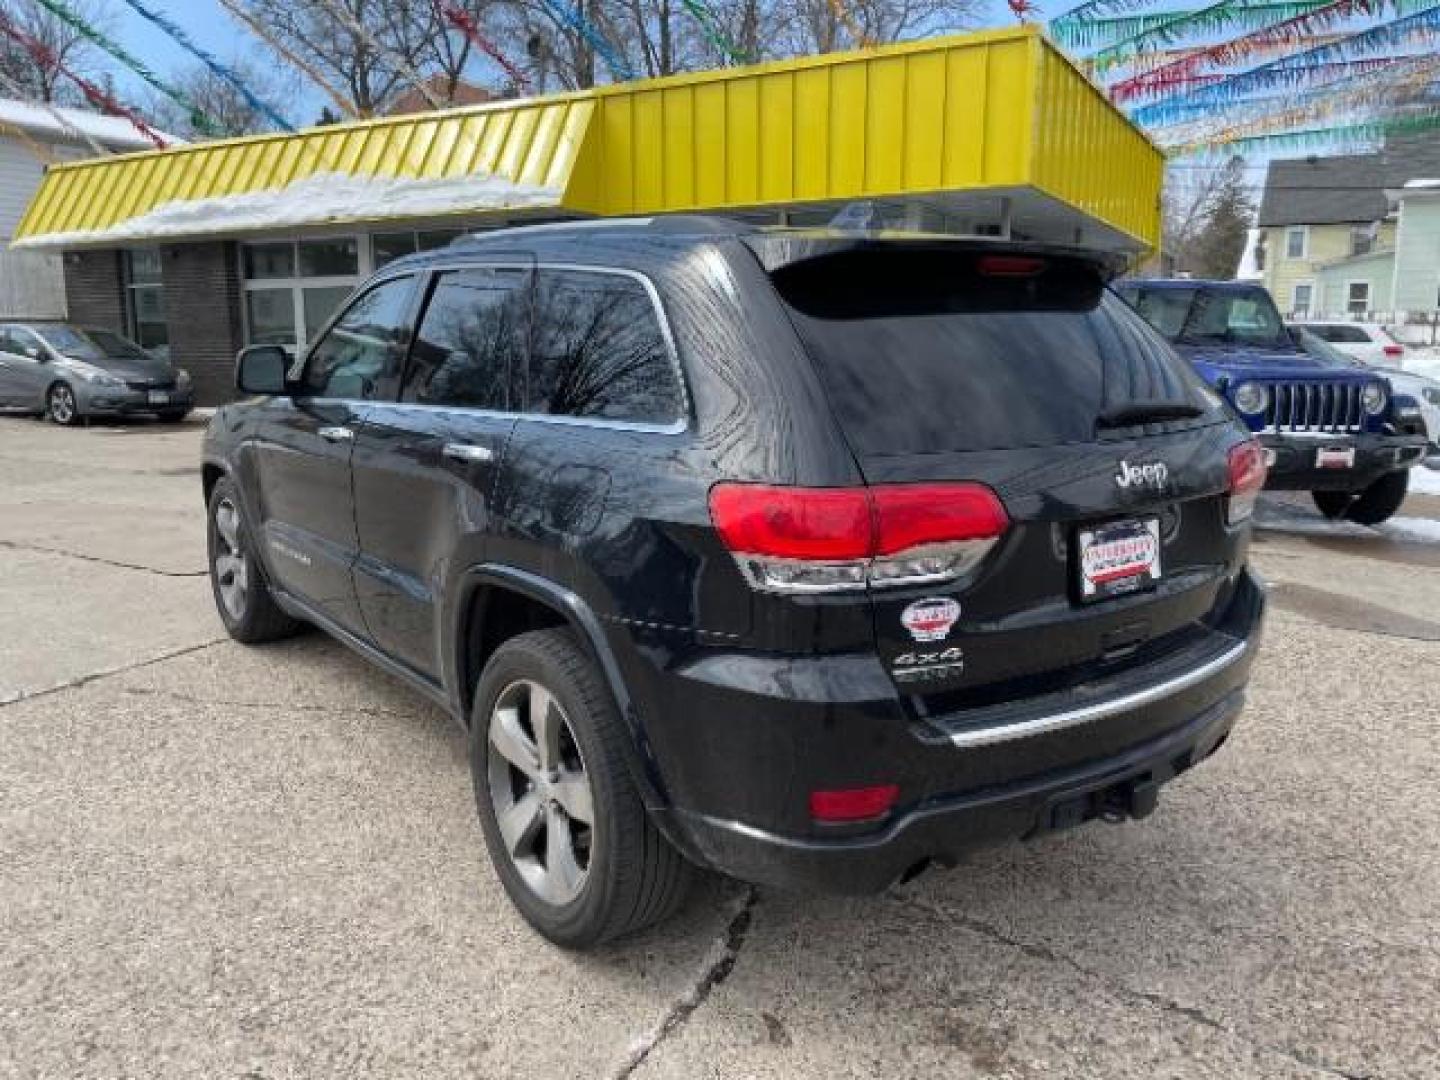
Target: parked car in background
[(74, 373), (1330, 431), (725, 558), (1420, 392), (1369, 343)]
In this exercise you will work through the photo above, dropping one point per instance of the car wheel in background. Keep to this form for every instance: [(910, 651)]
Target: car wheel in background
[(242, 595), (1332, 504), (567, 832), (61, 406), (174, 416), (1381, 499)]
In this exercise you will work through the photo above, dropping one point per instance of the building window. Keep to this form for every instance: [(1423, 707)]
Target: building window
[(1363, 238), (1357, 297), (1297, 242), (293, 287), (145, 299), (395, 245), (1301, 298)]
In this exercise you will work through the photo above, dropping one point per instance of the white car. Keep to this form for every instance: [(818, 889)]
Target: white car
[(1425, 391), (1370, 343)]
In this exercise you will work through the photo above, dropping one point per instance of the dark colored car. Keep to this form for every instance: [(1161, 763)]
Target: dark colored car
[(808, 557), (1330, 431), (73, 373)]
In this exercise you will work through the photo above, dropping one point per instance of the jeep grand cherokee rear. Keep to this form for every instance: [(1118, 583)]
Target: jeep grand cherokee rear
[(816, 558)]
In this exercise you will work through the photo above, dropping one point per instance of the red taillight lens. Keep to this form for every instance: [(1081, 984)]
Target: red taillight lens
[(793, 523), (1009, 266), (853, 804), (911, 515), (1247, 477), (1394, 350)]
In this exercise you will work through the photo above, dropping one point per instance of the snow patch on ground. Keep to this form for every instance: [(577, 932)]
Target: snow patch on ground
[(1282, 517), (314, 200), (1425, 530), (1425, 480)]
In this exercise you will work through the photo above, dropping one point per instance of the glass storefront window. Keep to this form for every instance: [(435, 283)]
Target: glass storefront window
[(270, 314), (269, 260), (320, 304), (329, 258), (429, 241), (387, 247), (145, 266), (145, 299)]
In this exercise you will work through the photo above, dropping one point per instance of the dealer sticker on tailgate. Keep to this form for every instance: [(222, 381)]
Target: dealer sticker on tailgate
[(1121, 557)]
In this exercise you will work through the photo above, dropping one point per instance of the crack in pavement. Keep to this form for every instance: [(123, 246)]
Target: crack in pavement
[(1194, 1014), (105, 673), (288, 706), (719, 963), (14, 545)]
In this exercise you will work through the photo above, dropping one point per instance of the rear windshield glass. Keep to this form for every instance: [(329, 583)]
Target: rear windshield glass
[(924, 351)]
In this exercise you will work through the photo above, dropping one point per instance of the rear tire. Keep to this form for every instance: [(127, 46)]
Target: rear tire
[(242, 595), (61, 406), (1332, 504), (629, 876), (1381, 499), (174, 416)]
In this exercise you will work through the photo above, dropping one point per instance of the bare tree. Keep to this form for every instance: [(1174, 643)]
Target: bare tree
[(224, 106), (61, 45), (1205, 213)]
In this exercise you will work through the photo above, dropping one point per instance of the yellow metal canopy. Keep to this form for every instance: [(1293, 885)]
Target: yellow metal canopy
[(980, 129)]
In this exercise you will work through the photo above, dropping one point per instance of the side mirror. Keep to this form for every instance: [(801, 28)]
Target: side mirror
[(260, 369)]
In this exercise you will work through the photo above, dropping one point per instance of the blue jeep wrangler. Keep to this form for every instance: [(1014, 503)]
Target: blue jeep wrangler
[(1330, 431)]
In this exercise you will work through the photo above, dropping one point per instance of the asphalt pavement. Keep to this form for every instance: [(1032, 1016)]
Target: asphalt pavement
[(222, 861)]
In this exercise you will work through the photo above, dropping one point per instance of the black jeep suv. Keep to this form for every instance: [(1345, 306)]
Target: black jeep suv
[(806, 556)]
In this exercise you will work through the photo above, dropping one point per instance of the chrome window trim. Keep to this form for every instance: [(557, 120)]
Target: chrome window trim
[(678, 426), (1042, 725)]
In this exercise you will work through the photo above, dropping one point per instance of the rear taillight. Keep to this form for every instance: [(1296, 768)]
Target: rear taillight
[(789, 539), (1022, 266), (1394, 351), (1247, 477)]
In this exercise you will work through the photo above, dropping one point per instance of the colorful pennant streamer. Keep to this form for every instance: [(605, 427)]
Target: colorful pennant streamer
[(296, 61), (93, 94), (1093, 9), (619, 67), (1367, 134), (1237, 50), (1318, 80), (221, 71), (710, 28), (461, 20), (21, 94), (201, 122), (1116, 30), (854, 29), (1293, 70)]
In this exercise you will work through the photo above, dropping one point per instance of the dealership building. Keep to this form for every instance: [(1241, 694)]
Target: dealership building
[(209, 247)]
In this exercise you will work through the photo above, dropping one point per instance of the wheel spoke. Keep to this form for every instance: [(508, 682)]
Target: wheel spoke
[(562, 872), (520, 823), (545, 721), (572, 791), (509, 740), (227, 522)]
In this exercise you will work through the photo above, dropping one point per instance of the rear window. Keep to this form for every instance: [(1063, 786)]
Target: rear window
[(925, 351)]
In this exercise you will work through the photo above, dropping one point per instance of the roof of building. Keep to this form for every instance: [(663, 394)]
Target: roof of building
[(45, 123), (1036, 146), (1344, 190)]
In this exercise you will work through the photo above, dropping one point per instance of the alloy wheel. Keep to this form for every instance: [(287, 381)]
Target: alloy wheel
[(62, 404), (540, 792), (232, 566)]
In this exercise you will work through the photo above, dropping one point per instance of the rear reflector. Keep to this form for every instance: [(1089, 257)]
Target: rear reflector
[(853, 804), (1247, 477), (791, 539)]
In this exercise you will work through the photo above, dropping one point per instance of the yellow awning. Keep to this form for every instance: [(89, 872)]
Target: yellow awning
[(972, 129)]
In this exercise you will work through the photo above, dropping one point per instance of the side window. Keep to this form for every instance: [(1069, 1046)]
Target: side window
[(364, 350), (470, 346), (598, 351)]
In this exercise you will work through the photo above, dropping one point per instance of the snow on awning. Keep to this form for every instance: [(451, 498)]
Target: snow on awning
[(974, 130)]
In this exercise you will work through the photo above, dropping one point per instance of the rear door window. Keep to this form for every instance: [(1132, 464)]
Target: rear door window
[(598, 350), (929, 350)]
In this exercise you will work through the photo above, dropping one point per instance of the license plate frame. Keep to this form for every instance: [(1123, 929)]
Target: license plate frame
[(158, 397), (1335, 457), (1118, 558)]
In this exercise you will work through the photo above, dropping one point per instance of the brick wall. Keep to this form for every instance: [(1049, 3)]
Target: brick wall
[(202, 308), (94, 289)]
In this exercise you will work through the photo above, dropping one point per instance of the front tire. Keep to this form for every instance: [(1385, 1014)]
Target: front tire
[(61, 406), (173, 416), (242, 596), (565, 826), (1381, 499)]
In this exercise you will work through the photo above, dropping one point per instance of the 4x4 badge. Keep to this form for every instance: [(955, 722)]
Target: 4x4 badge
[(930, 619), (1155, 475)]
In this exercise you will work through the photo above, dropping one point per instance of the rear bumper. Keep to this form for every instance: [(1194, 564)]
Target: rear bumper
[(1294, 460), (739, 755)]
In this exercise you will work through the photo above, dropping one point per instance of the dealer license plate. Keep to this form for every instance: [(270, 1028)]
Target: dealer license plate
[(1335, 457), (159, 397), (1118, 558)]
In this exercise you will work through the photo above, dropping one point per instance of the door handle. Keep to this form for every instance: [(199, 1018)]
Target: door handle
[(468, 452), (336, 434)]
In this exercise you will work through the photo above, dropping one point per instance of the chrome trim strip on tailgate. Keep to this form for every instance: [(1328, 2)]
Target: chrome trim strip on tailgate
[(1041, 725)]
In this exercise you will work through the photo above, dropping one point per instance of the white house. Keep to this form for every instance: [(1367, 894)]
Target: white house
[(32, 285)]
